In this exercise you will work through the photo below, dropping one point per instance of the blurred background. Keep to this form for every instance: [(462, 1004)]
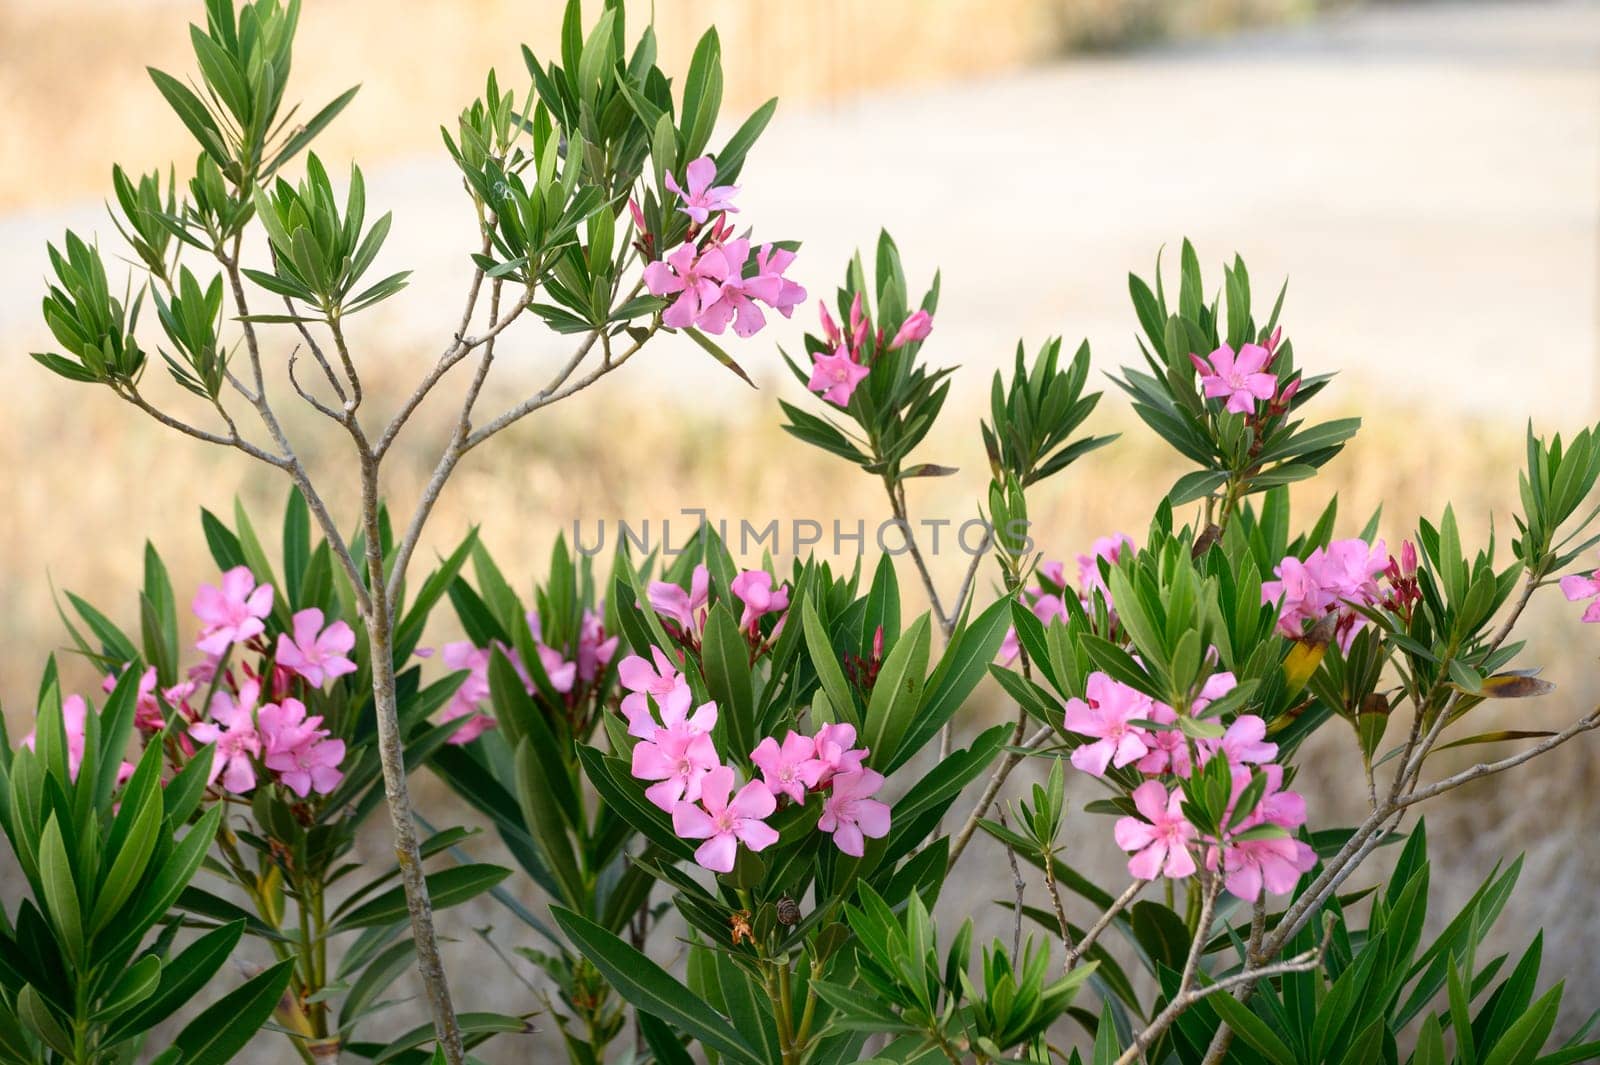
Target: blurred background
[(1427, 176)]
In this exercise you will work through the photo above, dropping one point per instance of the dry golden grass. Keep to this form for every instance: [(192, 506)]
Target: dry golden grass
[(75, 93)]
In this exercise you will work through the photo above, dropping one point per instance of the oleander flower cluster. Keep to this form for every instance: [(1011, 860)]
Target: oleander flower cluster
[(1045, 599), (683, 611), (713, 279), (574, 673), (1334, 580), (256, 716), (724, 805), (1244, 379), (689, 780), (837, 371), (1125, 727)]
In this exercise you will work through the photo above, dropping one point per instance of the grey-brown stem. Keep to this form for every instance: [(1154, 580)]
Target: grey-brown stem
[(380, 636)]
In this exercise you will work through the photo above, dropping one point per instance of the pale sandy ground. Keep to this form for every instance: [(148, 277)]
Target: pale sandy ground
[(1427, 176)]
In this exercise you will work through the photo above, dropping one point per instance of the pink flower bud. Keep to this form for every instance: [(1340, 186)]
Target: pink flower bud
[(916, 327)]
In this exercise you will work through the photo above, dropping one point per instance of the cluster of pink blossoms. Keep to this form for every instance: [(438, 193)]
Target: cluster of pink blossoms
[(715, 281), (1243, 378), (836, 373), (1045, 599), (1331, 580), (689, 780), (1161, 839), (685, 610), (277, 735), (571, 678), (250, 735)]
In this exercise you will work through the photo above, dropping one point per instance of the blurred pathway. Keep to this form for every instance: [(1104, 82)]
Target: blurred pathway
[(1428, 176)]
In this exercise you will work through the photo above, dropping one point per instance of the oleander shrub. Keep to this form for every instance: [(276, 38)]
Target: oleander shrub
[(741, 779)]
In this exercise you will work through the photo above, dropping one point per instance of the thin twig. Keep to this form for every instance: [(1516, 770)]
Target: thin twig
[(1075, 954), (897, 504), (1019, 886), (959, 842), (459, 349), (291, 463), (1054, 891), (551, 395), (1210, 886), (337, 416), (316, 352), (233, 440), (1485, 769)]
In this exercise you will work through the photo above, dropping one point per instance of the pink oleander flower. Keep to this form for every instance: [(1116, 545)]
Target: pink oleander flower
[(791, 769), (770, 286), (298, 749), (1240, 378), (472, 694), (1159, 843), (1328, 581), (1169, 750), (702, 197), (760, 594), (695, 276), (662, 683), (561, 672), (725, 823), (1046, 606), (1244, 742), (687, 608), (830, 328), (1111, 549), (75, 723), (916, 327), (558, 670), (851, 814), (1054, 572), (147, 715), (734, 302), (232, 612), (1106, 716), (1248, 866), (318, 654), (233, 729), (678, 757), (1576, 587), (836, 376), (595, 648), (205, 670), (837, 751), (737, 302), (859, 325)]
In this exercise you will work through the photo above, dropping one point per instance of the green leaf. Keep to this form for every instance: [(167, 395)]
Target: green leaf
[(135, 985), (547, 825), (715, 351), (60, 890), (224, 1027), (726, 661), (651, 989), (1252, 1029), (826, 662), (448, 887), (964, 663), (897, 693), (181, 980)]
